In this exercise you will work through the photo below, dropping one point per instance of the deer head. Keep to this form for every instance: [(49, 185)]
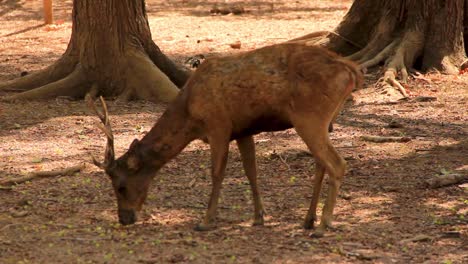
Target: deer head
[(130, 179)]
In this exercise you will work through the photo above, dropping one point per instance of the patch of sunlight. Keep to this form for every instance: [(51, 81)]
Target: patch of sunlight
[(448, 142), (371, 200), (108, 215), (446, 205), (170, 217)]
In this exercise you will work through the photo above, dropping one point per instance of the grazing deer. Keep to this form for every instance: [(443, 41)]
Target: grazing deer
[(233, 98)]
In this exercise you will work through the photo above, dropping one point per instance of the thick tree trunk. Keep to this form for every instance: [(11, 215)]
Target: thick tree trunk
[(404, 35), (110, 53)]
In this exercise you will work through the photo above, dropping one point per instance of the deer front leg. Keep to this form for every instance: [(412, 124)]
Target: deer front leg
[(219, 152), (247, 150)]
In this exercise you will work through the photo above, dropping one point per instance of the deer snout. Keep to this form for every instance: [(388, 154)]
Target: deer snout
[(127, 217)]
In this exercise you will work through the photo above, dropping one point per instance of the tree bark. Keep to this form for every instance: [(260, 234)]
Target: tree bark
[(110, 50), (402, 35), (48, 12)]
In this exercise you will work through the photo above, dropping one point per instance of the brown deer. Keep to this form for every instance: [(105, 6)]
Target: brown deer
[(233, 98)]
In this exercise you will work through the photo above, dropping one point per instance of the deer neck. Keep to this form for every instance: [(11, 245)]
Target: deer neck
[(168, 137)]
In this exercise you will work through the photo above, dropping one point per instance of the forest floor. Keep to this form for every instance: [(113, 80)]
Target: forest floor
[(385, 212)]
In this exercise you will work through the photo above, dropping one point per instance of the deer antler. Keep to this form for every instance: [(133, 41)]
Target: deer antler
[(109, 156)]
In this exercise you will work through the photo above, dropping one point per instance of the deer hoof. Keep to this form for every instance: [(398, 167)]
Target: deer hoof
[(258, 222), (203, 227), (309, 224), (318, 233)]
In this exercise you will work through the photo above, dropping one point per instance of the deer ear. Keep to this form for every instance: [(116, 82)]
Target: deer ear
[(133, 162), (134, 144)]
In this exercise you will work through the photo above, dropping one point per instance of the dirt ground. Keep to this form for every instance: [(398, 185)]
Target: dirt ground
[(385, 213)]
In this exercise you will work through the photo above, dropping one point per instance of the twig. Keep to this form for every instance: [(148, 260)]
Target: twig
[(284, 161), (378, 139), (41, 174), (444, 180), (422, 150), (389, 77), (345, 147), (4, 188), (10, 225), (397, 85), (84, 239)]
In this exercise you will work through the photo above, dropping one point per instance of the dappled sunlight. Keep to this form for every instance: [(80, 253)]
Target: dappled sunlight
[(170, 217)]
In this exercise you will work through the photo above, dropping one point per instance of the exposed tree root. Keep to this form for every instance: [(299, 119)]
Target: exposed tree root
[(381, 39), (380, 139), (445, 180), (177, 74), (145, 80), (59, 70), (396, 33), (390, 78), (73, 85), (40, 174), (142, 79), (380, 57), (399, 54)]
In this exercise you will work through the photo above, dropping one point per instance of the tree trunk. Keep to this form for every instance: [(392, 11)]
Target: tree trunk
[(110, 53), (48, 12), (405, 35)]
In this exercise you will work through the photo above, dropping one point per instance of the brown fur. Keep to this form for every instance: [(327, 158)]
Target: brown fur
[(235, 97)]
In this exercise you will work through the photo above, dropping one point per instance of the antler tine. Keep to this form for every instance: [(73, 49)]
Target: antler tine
[(92, 105), (106, 114), (109, 156)]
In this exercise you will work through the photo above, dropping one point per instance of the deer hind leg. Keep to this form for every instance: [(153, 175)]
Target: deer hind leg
[(219, 145), (247, 150), (311, 216), (314, 133)]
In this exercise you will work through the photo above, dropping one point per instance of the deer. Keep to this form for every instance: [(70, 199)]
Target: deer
[(234, 97)]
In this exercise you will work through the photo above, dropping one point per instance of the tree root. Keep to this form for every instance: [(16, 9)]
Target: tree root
[(380, 57), (445, 180), (381, 39), (4, 184), (390, 78), (141, 79), (59, 70), (399, 54), (73, 85), (379, 139), (145, 80)]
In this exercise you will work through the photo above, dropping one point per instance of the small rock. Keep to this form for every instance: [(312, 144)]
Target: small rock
[(451, 234), (148, 261), (178, 258), (237, 10), (464, 65), (352, 244), (235, 45), (345, 196), (394, 124), (425, 99), (366, 254), (18, 213), (418, 238)]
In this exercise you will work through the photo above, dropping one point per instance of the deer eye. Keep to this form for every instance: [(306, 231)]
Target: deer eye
[(122, 190)]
